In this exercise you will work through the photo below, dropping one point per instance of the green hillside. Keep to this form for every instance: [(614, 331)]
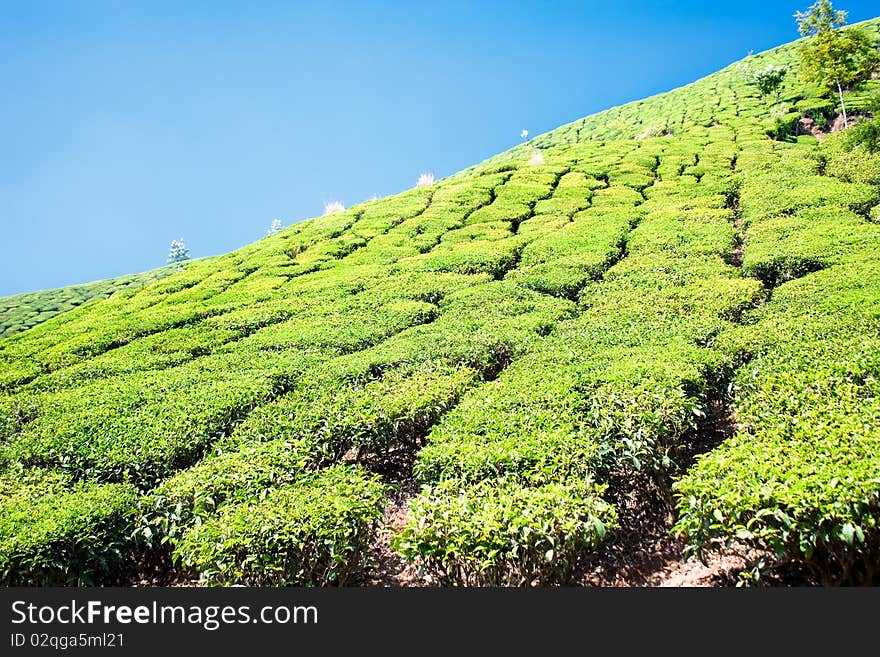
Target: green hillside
[(535, 340), (20, 312)]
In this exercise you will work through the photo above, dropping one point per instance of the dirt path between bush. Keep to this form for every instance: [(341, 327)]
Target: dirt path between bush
[(660, 563), (718, 571), (385, 567)]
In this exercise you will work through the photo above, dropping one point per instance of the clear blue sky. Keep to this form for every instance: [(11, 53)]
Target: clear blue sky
[(124, 125)]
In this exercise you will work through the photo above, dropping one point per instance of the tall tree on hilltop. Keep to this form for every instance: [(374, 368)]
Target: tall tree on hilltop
[(834, 57)]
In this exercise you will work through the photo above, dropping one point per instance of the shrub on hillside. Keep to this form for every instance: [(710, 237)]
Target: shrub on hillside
[(791, 246), (782, 123), (854, 165), (314, 532), (193, 495), (769, 79), (498, 533), (53, 533), (853, 155)]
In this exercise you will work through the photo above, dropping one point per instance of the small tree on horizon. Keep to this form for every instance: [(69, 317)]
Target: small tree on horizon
[(275, 227), (834, 57), (178, 253)]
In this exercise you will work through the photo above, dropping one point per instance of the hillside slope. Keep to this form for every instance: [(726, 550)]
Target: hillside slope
[(534, 342), (20, 312)]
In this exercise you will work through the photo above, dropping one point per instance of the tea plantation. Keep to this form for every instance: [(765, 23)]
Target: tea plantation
[(23, 311), (524, 338)]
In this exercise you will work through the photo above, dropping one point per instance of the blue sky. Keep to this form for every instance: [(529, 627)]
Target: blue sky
[(124, 125)]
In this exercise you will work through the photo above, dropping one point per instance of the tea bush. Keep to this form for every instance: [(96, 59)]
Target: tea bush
[(500, 534), (194, 495), (55, 533), (313, 532)]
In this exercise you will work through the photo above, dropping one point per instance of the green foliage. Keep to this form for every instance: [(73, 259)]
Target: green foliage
[(791, 246), (864, 136), (529, 332), (24, 311), (504, 534), (54, 533), (769, 79), (773, 190), (800, 479), (834, 58), (370, 415), (313, 532), (820, 19), (194, 495), (854, 154), (798, 482), (564, 261), (140, 427), (782, 123)]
